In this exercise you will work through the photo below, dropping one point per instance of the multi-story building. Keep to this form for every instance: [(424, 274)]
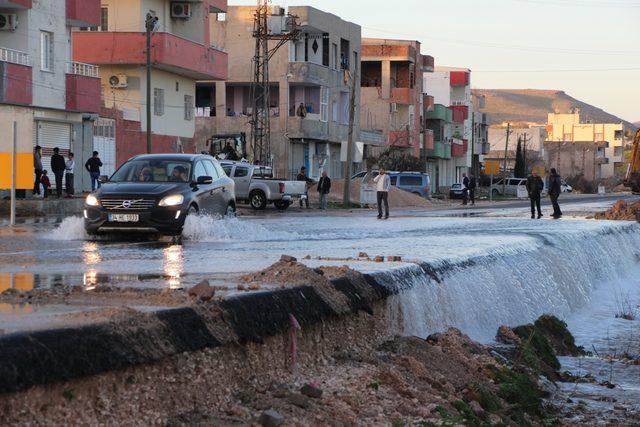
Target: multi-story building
[(310, 90), (182, 52), (569, 128), (452, 154), (52, 98), (392, 95), (531, 136)]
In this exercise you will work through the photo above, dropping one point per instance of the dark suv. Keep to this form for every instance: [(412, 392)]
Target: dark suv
[(154, 193)]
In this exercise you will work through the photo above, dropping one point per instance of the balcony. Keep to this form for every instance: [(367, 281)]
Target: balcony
[(307, 128), (83, 87), (460, 113), (439, 112), (459, 78), (15, 77), (601, 160), (169, 53), (399, 138), (440, 151), (16, 4), (402, 95), (308, 72), (428, 63), (428, 103), (83, 13), (387, 52)]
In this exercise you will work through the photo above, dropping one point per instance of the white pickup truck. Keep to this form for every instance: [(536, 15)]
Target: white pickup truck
[(257, 186)]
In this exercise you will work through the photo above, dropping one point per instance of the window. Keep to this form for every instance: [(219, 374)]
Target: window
[(241, 172), (325, 50), (211, 169), (199, 171), (324, 104), (104, 19), (188, 107), (412, 181), (221, 17), (567, 137), (46, 51), (334, 56), (227, 169), (334, 110), (158, 101)]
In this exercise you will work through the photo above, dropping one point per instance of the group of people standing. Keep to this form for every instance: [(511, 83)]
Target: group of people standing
[(63, 172), (323, 188), (535, 186)]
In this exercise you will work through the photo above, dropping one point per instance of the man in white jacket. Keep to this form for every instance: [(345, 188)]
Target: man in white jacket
[(383, 183)]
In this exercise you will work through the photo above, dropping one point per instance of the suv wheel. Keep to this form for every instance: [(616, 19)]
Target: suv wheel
[(231, 211), (282, 205), (495, 192), (258, 200)]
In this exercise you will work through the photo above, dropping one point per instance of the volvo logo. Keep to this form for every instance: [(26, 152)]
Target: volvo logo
[(126, 204)]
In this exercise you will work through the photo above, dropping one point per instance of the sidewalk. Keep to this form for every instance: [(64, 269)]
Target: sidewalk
[(37, 207)]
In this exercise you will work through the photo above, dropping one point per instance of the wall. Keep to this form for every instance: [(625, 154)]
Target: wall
[(24, 118), (437, 85), (572, 159)]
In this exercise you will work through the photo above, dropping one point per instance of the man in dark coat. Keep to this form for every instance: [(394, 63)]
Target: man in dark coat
[(465, 189), (555, 188), (534, 188), (472, 189), (324, 188), (58, 166), (302, 176)]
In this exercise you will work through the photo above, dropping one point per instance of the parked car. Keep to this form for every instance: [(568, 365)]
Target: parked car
[(566, 188), (257, 186), (154, 193), (456, 192), (511, 187), (414, 182)]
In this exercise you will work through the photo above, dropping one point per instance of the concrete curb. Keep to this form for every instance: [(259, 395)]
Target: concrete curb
[(44, 357)]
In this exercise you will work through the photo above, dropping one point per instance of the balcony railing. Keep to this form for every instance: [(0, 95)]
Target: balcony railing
[(15, 57), (82, 69)]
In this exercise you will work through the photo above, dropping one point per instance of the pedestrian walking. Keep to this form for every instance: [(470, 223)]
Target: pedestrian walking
[(58, 167), (383, 184), (465, 189), (555, 188), (324, 188), (93, 166), (302, 176), (46, 184), (37, 169), (472, 189), (68, 176), (534, 188)]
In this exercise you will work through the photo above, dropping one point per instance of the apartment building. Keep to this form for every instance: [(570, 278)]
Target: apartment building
[(532, 137), (53, 98), (310, 89), (571, 128), (452, 121), (393, 103), (182, 52)]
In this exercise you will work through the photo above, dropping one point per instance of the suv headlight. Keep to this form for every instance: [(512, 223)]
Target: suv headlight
[(92, 200), (175, 200)]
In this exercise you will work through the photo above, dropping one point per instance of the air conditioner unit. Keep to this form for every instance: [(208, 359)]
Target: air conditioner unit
[(8, 21), (181, 10), (118, 82), (393, 107)]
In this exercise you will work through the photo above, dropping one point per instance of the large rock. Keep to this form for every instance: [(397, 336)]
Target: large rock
[(288, 258), (271, 418), (311, 391), (203, 291), (299, 400)]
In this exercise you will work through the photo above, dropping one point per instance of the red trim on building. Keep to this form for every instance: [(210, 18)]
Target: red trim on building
[(169, 52), (83, 93), (460, 113), (83, 13), (16, 85), (131, 140), (402, 95), (459, 78), (457, 150), (428, 140)]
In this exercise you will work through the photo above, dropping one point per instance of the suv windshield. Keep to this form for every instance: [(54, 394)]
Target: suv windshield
[(153, 171)]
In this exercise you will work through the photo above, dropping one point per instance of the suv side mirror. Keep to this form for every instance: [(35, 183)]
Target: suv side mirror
[(204, 180)]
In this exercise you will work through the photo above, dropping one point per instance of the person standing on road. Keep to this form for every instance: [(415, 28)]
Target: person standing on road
[(465, 189), (324, 188), (472, 189), (68, 176), (534, 188), (555, 188), (302, 176), (58, 166), (93, 166), (37, 169), (46, 184), (383, 184)]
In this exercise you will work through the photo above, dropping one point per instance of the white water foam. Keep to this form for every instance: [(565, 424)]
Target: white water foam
[(205, 228), (71, 228), (478, 296)]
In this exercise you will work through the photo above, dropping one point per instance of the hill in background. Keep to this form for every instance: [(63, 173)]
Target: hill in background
[(533, 105)]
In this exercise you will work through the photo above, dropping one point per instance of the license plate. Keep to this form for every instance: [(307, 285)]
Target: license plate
[(124, 217)]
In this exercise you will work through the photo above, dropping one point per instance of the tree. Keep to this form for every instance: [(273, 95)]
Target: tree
[(397, 159), (518, 169)]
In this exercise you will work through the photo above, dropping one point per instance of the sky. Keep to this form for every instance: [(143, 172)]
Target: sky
[(588, 48)]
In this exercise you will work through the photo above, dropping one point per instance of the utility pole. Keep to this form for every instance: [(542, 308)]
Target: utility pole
[(150, 26), (260, 96), (473, 144), (12, 215), (504, 167), (346, 197)]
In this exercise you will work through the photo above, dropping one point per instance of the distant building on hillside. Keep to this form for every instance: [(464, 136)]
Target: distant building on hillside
[(567, 129)]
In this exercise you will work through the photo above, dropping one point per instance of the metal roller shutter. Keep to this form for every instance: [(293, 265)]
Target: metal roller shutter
[(104, 142), (50, 135)]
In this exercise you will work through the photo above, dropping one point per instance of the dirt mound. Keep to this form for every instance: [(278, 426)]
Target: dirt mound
[(397, 198), (621, 211)]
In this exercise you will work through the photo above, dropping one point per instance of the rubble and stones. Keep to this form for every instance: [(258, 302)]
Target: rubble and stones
[(621, 211)]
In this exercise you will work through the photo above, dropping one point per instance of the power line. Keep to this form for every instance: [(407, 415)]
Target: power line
[(575, 70)]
